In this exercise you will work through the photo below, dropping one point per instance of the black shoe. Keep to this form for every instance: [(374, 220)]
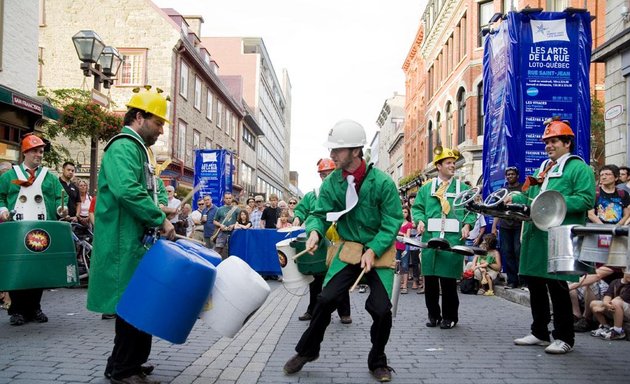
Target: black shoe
[(40, 317), (432, 323), (305, 317), (145, 369), (108, 316), (295, 364), (17, 319), (346, 320), (135, 379), (447, 324), (383, 374)]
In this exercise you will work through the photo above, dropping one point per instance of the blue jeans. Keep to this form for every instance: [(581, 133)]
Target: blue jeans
[(404, 260)]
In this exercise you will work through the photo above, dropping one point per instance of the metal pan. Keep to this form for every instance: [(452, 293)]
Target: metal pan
[(411, 241), (462, 250), (438, 243), (478, 250)]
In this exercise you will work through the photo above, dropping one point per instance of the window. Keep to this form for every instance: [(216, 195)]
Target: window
[(183, 80), (219, 114), (557, 5), (480, 111), (461, 116), (197, 93), (208, 144), (462, 38), (249, 139), (438, 128), (181, 140), (430, 142), (486, 10), (209, 105), (228, 120), (133, 69), (449, 125), (196, 139)]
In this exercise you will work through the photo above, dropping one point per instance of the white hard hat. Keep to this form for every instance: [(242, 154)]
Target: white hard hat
[(346, 134)]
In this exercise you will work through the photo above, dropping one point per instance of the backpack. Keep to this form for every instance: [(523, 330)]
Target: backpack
[(469, 286)]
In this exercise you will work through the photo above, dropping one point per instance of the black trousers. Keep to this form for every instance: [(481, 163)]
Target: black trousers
[(450, 300), (510, 239), (132, 348), (377, 304), (25, 302), (315, 288), (540, 289)]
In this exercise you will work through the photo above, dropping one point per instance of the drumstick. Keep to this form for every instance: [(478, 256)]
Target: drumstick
[(299, 254), (358, 279), (191, 193), (190, 239)]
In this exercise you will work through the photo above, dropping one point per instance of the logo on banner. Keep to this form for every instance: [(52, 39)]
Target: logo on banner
[(549, 30), (209, 157)]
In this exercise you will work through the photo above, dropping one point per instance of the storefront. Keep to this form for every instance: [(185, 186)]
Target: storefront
[(20, 114)]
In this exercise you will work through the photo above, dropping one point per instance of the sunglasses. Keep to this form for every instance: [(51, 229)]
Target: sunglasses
[(292, 202)]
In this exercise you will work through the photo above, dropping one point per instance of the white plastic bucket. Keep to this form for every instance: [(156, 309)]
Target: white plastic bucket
[(238, 292), (291, 276)]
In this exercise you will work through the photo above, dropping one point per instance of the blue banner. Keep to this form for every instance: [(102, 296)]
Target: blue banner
[(213, 169), (546, 73)]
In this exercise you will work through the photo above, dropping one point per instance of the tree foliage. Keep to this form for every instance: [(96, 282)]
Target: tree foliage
[(598, 143), (81, 120)]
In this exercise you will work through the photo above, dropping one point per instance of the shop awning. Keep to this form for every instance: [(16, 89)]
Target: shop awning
[(28, 103)]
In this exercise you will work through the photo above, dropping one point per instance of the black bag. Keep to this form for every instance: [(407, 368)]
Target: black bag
[(469, 286)]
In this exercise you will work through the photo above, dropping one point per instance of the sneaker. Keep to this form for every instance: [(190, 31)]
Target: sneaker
[(603, 329), (531, 340), (558, 347), (295, 364), (432, 323), (383, 374), (489, 292), (40, 317), (346, 320), (362, 289), (447, 324), (17, 319), (305, 317), (614, 335), (108, 316)]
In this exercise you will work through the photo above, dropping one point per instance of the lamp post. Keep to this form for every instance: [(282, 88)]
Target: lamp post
[(102, 62)]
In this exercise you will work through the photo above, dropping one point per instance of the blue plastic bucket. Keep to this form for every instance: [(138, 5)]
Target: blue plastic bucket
[(167, 292), (209, 254)]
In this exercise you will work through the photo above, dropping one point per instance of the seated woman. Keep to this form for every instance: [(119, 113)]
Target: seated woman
[(242, 222), (486, 268)]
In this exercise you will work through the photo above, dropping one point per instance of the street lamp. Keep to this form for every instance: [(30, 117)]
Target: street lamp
[(103, 63)]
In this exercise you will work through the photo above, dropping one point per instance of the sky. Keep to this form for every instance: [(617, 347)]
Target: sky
[(344, 59)]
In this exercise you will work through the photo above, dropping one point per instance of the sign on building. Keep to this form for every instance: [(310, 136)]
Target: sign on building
[(213, 168)]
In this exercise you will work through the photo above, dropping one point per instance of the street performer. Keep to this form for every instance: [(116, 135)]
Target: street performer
[(364, 202), (29, 179), (306, 206), (574, 179), (126, 213), (433, 209)]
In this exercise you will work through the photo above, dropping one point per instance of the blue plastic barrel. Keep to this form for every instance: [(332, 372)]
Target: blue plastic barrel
[(167, 292), (209, 254)]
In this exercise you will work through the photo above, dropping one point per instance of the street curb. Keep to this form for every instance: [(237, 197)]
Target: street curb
[(519, 296)]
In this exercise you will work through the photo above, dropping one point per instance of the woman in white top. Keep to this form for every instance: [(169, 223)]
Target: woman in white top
[(83, 206)]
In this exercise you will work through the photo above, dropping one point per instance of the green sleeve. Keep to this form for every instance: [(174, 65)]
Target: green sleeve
[(123, 165), (162, 194), (304, 207), (418, 210), (5, 182), (316, 221), (390, 210), (583, 197)]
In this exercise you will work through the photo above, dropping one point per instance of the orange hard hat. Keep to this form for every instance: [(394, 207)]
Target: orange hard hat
[(31, 141), (557, 128), (324, 165)]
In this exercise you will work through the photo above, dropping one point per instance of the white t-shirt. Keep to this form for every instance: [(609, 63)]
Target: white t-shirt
[(196, 216), (481, 222), (174, 203)]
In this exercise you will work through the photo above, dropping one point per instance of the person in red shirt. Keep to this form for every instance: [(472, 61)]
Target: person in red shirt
[(402, 253)]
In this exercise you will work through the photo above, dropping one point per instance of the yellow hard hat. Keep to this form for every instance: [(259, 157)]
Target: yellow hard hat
[(440, 153), (151, 102)]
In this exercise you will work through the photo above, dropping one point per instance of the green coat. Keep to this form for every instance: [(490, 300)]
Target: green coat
[(125, 209), (51, 188), (374, 221), (437, 262), (577, 185), (305, 206)]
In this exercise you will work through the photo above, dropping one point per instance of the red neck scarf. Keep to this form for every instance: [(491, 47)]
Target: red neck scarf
[(29, 181), (359, 174)]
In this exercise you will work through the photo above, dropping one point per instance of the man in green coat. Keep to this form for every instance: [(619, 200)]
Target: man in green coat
[(365, 204), (302, 211), (127, 207), (574, 179), (25, 303), (433, 210)]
